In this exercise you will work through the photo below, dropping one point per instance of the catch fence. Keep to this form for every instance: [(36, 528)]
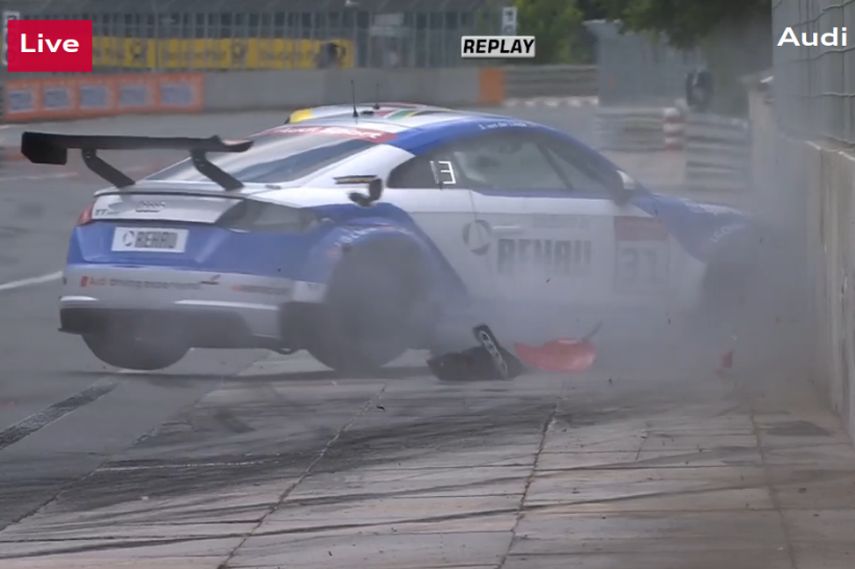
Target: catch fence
[(814, 86), (210, 35)]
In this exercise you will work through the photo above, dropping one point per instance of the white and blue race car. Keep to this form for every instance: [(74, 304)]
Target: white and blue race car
[(357, 238)]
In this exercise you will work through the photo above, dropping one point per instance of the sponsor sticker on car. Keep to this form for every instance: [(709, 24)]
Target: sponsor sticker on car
[(642, 255), (340, 131)]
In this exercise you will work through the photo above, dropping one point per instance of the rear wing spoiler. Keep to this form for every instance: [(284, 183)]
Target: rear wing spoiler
[(50, 148)]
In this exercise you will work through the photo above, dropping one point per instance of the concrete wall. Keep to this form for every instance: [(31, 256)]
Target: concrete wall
[(238, 90), (455, 86), (807, 187), (90, 95), (524, 81), (36, 99), (830, 236)]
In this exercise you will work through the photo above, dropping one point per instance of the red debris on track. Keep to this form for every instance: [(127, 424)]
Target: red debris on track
[(561, 355), (725, 364)]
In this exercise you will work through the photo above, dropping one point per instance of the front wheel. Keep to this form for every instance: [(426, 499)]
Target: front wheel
[(128, 352)]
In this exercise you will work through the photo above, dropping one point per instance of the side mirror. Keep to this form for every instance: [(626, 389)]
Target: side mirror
[(375, 192), (627, 186)]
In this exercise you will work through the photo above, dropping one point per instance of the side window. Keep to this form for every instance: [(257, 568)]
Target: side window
[(507, 162), (423, 171), (577, 169), (414, 173), (493, 161)]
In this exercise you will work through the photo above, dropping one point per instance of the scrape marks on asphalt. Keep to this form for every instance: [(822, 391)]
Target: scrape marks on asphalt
[(43, 418), (290, 466), (320, 457)]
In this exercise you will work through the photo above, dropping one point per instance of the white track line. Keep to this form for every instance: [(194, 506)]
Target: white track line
[(50, 277), (58, 176)]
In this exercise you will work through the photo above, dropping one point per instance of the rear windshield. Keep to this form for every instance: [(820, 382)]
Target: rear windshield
[(286, 154)]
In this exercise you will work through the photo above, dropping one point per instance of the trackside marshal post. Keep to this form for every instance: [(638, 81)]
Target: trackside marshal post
[(494, 47)]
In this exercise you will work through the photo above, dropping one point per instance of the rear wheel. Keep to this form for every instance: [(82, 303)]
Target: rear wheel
[(126, 350), (374, 311)]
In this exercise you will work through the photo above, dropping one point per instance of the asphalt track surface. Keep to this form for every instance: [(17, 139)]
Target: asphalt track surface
[(243, 459)]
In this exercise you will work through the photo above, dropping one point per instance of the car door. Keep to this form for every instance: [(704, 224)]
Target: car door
[(524, 217), (439, 189), (635, 246), (558, 232), (429, 187)]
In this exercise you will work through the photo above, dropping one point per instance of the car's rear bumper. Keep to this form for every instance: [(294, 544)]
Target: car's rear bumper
[(221, 309)]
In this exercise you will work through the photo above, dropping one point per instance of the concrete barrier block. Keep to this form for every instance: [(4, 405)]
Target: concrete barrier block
[(808, 190), (250, 90), (832, 177), (443, 87), (846, 259)]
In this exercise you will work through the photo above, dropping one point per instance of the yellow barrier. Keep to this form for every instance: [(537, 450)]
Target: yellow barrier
[(199, 54)]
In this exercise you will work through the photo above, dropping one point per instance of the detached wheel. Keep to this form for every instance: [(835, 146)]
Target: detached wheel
[(374, 311), (128, 352)]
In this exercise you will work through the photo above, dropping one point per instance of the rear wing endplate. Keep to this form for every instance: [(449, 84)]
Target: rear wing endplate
[(50, 148)]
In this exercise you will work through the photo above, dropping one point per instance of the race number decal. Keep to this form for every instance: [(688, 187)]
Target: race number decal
[(443, 172), (642, 255)]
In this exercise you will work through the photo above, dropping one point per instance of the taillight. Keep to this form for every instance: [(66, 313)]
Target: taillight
[(85, 215), (251, 215)]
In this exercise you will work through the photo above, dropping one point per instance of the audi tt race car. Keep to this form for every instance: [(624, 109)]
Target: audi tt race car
[(357, 238)]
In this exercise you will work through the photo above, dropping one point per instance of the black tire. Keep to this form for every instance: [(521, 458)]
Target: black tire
[(729, 286), (128, 352), (374, 310)]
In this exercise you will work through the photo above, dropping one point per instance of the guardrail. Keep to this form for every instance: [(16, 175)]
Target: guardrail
[(635, 129), (522, 81), (79, 96), (718, 153), (107, 95)]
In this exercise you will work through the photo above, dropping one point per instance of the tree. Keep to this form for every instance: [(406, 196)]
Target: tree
[(557, 25), (685, 22)]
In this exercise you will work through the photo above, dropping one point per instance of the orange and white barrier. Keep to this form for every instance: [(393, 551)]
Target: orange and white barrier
[(639, 129), (718, 153), (674, 128)]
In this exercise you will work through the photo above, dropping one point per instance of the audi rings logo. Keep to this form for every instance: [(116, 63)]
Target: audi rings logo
[(147, 206)]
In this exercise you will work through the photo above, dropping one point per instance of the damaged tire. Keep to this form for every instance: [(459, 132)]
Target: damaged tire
[(374, 311)]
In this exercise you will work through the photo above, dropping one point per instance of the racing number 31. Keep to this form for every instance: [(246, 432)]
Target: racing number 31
[(642, 255), (642, 265)]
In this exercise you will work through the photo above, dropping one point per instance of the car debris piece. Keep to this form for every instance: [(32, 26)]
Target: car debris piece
[(561, 355), (485, 362)]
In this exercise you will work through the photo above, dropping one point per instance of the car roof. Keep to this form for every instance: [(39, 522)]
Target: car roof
[(419, 131), (415, 133), (363, 109), (403, 120)]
